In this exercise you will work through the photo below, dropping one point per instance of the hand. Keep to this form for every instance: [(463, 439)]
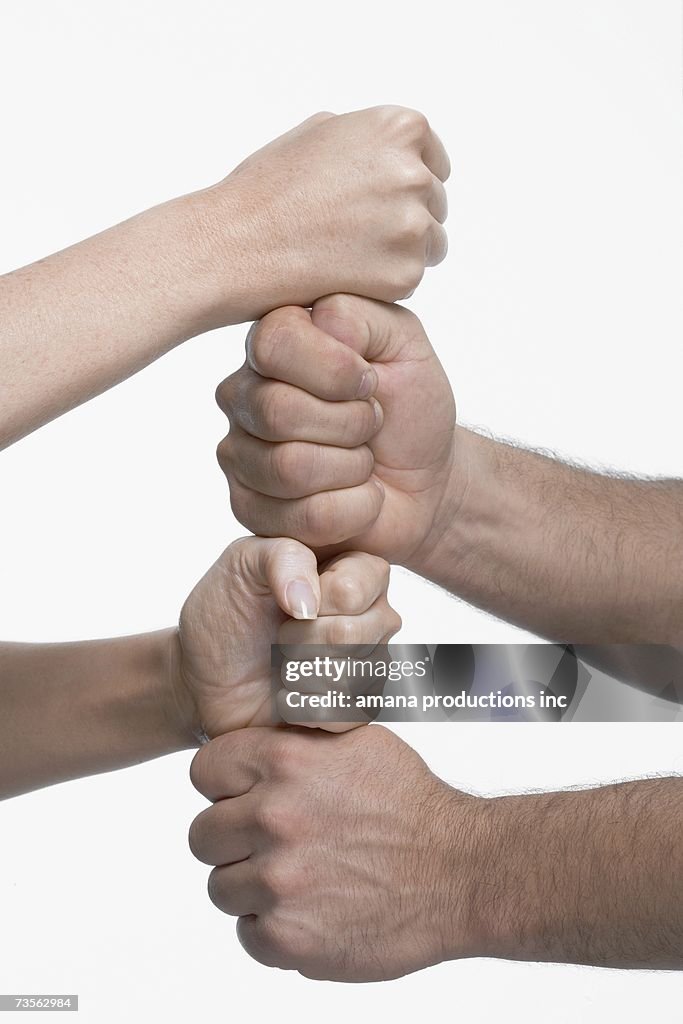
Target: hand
[(341, 429), (353, 203), (244, 603), (343, 856)]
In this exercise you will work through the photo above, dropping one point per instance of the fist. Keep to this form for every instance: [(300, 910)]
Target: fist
[(342, 430), (353, 203), (343, 856), (262, 592)]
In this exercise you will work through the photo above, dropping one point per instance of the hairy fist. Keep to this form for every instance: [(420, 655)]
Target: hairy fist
[(343, 856), (342, 429)]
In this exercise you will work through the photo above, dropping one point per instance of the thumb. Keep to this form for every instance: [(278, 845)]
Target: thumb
[(288, 569)]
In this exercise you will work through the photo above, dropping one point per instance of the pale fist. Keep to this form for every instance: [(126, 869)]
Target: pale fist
[(262, 592), (343, 856), (342, 430), (351, 202)]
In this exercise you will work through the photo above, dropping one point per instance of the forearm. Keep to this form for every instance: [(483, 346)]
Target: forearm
[(76, 709), (83, 319), (589, 877), (569, 554)]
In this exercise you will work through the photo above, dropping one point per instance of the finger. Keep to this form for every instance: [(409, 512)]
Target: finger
[(234, 889), (379, 331), (437, 204), (231, 765), (292, 469), (280, 566), (254, 932), (286, 568), (437, 245), (328, 719), (435, 156), (326, 518), (275, 411), (349, 635), (286, 346), (224, 833), (352, 582)]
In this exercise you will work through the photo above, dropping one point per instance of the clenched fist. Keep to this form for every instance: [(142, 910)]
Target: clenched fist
[(343, 856), (262, 592), (342, 430), (353, 202)]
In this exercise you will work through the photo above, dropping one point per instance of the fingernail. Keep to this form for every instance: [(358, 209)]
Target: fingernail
[(379, 413), (301, 601), (368, 384)]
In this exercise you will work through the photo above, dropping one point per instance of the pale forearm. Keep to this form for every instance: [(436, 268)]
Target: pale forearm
[(76, 709), (589, 877), (572, 555), (83, 319)]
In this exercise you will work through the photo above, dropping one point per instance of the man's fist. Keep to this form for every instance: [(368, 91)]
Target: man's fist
[(341, 429), (343, 856), (261, 592), (353, 202)]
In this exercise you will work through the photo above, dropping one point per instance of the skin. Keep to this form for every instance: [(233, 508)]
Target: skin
[(346, 859), (353, 202), (304, 453), (303, 459), (314, 848), (107, 704)]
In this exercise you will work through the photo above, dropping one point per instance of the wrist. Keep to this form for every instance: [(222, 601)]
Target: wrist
[(209, 237), (450, 522), (241, 270), (468, 922), (522, 878), (180, 706)]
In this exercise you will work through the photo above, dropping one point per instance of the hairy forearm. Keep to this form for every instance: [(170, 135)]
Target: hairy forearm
[(76, 709), (589, 876), (83, 319), (572, 555)]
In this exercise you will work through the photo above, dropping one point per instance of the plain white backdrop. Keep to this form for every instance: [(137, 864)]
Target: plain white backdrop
[(558, 318)]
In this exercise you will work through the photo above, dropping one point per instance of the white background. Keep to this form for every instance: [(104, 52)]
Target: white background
[(557, 316)]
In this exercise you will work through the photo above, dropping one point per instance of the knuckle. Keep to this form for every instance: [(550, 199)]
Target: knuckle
[(416, 176), (225, 393), (347, 593), (225, 453), (198, 768), (288, 465), (215, 889), (268, 816), (395, 622), (195, 837), (263, 942), (287, 550), (414, 224), (277, 877), (291, 760), (264, 343), (320, 517), (381, 568), (408, 121), (271, 408), (242, 508), (410, 275)]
